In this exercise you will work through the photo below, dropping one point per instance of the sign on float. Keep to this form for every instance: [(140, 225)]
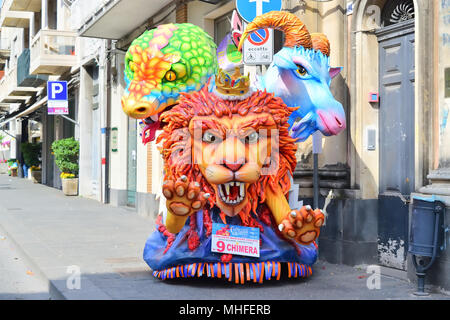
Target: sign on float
[(57, 97), (236, 240)]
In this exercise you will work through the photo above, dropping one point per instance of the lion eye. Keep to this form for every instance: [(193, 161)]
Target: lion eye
[(170, 76), (252, 137), (301, 70), (209, 137)]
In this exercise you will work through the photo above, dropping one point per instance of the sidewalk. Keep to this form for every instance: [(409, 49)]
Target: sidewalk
[(54, 232)]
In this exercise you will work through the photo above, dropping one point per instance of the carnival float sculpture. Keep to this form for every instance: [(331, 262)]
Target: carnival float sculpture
[(224, 166), (228, 155)]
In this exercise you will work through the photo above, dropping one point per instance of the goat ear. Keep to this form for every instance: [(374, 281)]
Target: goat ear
[(334, 71)]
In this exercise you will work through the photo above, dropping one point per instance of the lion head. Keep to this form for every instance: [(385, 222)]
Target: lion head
[(233, 148)]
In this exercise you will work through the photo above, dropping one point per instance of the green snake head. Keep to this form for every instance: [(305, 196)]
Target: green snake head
[(162, 63)]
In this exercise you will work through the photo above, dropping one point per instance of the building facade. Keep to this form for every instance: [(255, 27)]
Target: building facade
[(394, 87)]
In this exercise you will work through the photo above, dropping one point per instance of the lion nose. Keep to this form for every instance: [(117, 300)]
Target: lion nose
[(233, 166)]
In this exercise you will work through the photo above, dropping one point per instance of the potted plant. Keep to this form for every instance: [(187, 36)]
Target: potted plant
[(66, 158), (31, 156), (13, 167)]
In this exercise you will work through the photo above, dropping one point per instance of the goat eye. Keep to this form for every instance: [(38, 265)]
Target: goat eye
[(301, 70)]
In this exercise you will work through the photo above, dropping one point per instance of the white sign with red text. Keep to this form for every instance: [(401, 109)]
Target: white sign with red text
[(235, 240)]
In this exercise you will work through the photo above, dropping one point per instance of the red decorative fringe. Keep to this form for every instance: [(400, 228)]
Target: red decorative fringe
[(193, 238), (163, 230)]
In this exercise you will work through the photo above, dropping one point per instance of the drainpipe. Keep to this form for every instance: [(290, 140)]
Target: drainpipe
[(105, 119), (108, 120)]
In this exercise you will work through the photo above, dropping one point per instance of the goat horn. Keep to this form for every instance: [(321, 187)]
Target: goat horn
[(320, 42), (294, 29)]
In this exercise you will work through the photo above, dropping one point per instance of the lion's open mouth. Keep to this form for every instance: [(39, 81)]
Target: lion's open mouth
[(232, 193)]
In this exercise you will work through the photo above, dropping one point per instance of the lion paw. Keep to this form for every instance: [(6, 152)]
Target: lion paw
[(183, 197), (302, 226)]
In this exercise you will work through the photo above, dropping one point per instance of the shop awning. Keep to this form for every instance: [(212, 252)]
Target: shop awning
[(25, 112)]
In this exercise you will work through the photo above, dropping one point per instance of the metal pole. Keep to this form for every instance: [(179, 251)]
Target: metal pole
[(317, 148), (316, 180), (68, 119)]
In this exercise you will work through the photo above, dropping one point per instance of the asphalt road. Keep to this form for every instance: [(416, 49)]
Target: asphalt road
[(17, 279)]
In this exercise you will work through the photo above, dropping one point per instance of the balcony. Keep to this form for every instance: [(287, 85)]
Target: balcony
[(11, 92), (112, 19), (15, 19), (26, 5), (24, 78), (52, 52)]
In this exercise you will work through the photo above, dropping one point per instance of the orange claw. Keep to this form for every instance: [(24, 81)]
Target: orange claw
[(183, 199), (302, 225)]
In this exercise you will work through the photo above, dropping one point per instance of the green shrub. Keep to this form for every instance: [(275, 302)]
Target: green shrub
[(31, 153), (66, 155)]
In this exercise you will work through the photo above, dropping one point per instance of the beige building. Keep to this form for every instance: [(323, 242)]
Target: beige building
[(394, 87), (393, 90)]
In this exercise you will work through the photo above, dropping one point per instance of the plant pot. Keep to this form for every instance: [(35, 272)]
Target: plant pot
[(36, 176), (70, 186), (13, 172)]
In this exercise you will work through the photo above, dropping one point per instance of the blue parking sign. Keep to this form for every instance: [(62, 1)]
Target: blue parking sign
[(249, 9), (57, 90), (57, 97)]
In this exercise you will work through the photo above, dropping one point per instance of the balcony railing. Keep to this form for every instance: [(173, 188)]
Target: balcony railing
[(8, 83), (52, 52), (5, 44), (24, 78), (82, 10)]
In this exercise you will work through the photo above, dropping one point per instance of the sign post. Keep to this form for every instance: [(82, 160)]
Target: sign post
[(258, 47), (57, 103), (250, 9)]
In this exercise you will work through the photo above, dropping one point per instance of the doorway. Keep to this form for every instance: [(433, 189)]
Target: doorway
[(396, 136)]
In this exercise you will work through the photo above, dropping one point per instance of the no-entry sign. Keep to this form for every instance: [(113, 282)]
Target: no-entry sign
[(258, 47)]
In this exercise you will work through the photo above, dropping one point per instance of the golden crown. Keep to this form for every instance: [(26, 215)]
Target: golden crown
[(232, 87)]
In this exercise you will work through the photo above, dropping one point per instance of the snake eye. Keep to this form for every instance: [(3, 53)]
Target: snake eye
[(170, 76), (301, 70)]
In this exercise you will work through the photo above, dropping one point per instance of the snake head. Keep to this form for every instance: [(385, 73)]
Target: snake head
[(161, 64)]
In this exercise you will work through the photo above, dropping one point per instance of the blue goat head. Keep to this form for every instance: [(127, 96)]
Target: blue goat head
[(301, 75)]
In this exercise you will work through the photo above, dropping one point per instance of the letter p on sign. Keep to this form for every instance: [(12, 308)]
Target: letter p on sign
[(57, 90)]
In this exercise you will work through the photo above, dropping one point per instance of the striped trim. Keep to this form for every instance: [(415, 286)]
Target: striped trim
[(237, 272)]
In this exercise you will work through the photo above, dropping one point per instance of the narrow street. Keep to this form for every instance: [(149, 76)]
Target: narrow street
[(103, 245)]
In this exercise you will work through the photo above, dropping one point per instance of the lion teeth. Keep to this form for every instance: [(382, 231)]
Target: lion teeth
[(224, 192)]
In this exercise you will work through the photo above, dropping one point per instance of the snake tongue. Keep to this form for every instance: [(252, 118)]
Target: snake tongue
[(149, 130)]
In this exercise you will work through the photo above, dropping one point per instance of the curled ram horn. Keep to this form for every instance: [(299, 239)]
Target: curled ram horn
[(320, 43), (295, 31)]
